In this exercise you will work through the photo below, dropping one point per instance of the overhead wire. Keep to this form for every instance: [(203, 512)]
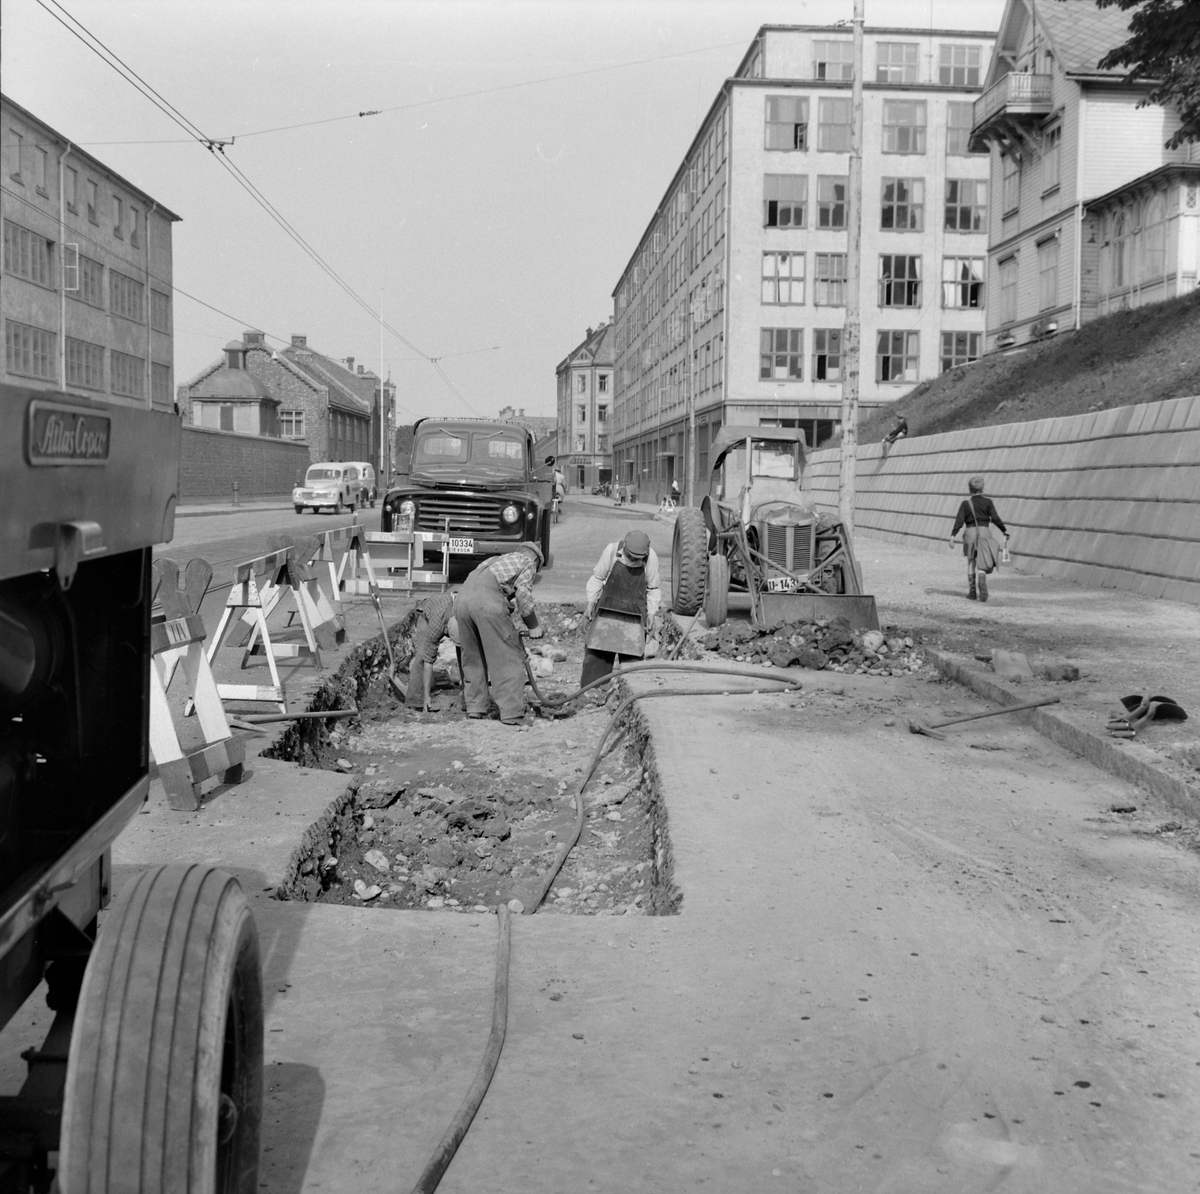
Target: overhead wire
[(216, 148)]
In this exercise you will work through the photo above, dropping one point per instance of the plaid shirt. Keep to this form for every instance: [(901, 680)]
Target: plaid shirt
[(435, 613), (514, 573)]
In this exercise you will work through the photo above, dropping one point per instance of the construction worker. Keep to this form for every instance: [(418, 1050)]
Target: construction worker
[(624, 586), (435, 622), (492, 655)]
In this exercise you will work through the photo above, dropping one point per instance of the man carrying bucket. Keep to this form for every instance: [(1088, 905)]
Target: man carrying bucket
[(623, 598)]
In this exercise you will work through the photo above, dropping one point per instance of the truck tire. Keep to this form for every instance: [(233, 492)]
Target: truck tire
[(299, 509), (716, 595), (689, 561), (164, 1083), (548, 558)]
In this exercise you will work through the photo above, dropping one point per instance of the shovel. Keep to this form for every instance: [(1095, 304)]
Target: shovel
[(915, 727)]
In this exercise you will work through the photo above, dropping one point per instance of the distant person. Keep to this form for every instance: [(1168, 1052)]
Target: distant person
[(975, 516), (900, 431), (493, 659), (560, 484), (674, 493), (624, 582)]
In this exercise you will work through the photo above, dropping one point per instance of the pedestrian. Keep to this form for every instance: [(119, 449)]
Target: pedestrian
[(975, 516), (674, 493), (624, 585), (435, 621), (492, 655)]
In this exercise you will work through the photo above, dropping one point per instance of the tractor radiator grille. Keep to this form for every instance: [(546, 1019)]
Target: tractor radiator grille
[(791, 547), (470, 514)]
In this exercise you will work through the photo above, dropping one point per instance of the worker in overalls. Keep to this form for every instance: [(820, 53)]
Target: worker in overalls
[(622, 604), (492, 654)]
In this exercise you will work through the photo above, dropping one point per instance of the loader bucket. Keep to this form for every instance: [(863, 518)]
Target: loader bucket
[(858, 609)]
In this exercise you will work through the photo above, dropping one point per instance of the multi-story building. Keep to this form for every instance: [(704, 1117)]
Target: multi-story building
[(86, 295), (295, 393), (1092, 213), (585, 410), (736, 291)]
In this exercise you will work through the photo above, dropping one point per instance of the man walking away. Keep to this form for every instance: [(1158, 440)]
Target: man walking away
[(492, 655), (975, 515)]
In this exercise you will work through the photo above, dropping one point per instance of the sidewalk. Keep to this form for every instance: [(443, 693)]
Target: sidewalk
[(196, 506)]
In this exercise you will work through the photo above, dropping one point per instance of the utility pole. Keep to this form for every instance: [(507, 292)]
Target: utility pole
[(384, 477), (852, 336), (690, 498)]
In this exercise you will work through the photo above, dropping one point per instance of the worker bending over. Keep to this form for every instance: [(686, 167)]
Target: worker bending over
[(622, 604), (435, 622), (492, 655)]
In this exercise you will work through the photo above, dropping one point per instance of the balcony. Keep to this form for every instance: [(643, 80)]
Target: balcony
[(1009, 107)]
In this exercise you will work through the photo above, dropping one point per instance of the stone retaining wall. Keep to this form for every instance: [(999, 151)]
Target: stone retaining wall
[(1110, 499), (210, 461)]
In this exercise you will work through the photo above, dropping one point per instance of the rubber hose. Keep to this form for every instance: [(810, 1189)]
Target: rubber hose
[(444, 1153)]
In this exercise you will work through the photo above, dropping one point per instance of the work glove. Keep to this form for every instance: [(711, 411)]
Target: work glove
[(536, 632)]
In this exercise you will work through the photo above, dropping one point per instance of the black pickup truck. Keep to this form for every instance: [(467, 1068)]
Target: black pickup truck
[(478, 479)]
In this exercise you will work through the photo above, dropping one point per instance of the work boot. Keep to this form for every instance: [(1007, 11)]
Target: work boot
[(971, 587), (982, 587)]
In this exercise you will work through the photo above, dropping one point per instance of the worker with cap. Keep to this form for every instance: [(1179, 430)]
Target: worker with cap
[(622, 597), (492, 655), (435, 621)]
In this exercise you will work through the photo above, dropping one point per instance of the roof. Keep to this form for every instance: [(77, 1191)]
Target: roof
[(339, 381), (1081, 34), (594, 349), (230, 383), (731, 435)]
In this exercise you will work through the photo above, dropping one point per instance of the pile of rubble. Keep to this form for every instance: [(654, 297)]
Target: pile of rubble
[(832, 645)]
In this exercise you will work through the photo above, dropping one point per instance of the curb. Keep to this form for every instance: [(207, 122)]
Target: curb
[(244, 508), (1181, 797)]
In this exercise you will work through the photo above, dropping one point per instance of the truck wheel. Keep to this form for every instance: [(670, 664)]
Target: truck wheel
[(299, 509), (716, 595), (689, 556), (337, 506), (164, 1080), (549, 559)]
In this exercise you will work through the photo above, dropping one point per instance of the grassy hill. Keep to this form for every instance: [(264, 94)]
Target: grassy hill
[(1145, 355)]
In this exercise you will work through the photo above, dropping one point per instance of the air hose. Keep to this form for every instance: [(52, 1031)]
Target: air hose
[(437, 1165)]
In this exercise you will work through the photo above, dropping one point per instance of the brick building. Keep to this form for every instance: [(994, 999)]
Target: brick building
[(584, 386), (87, 293)]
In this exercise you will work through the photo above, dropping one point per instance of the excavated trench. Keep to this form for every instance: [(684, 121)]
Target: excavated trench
[(442, 813)]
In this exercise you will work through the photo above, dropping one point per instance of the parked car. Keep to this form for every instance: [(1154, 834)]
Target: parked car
[(476, 478), (366, 476), (331, 485)]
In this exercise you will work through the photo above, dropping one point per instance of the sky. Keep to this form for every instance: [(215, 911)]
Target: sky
[(482, 218)]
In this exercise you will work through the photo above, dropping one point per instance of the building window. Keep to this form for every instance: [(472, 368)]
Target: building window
[(118, 217), (135, 227), (783, 279), (125, 296), (291, 424), (959, 119), (903, 126), (787, 122), (14, 155), (903, 204), (827, 354), (1154, 243), (1051, 157), (29, 350), (91, 281), (896, 61), (829, 284), (129, 376), (93, 202), (1048, 274), (959, 66), (959, 348), (833, 125), (966, 205), (833, 60), (71, 182), (581, 413), (39, 169), (1012, 183), (785, 197), (581, 443), (160, 311), (962, 282), (602, 413), (831, 201), (580, 383), (26, 254), (781, 354), (899, 281), (602, 383), (160, 384), (897, 355), (85, 364), (1008, 290)]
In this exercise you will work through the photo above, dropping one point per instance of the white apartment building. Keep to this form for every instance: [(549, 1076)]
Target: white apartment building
[(737, 288), (584, 379)]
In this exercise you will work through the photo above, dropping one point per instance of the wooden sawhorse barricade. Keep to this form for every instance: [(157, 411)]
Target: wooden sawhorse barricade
[(394, 562), (177, 640)]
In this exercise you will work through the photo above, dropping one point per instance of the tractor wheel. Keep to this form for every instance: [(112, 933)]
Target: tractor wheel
[(716, 595), (689, 556), (164, 1084)]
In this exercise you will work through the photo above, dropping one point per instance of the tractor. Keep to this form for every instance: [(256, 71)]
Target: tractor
[(753, 533)]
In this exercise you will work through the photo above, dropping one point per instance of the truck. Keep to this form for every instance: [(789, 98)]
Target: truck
[(477, 480)]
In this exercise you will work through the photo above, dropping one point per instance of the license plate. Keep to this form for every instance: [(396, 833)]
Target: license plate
[(462, 547)]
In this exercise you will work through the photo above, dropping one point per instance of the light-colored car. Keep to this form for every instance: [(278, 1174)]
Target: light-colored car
[(368, 484), (331, 485)]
